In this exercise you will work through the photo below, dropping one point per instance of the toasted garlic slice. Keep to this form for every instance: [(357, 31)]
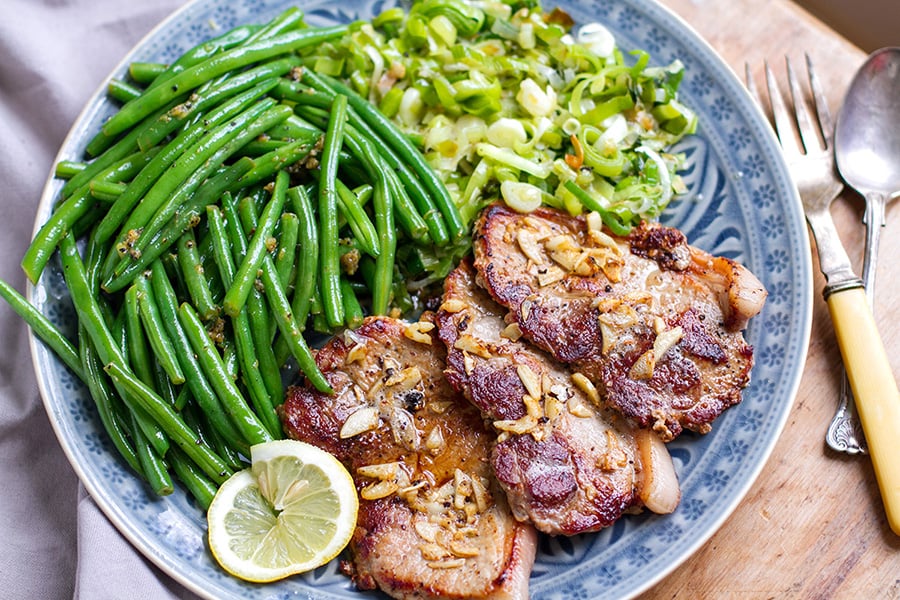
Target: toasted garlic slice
[(360, 421)]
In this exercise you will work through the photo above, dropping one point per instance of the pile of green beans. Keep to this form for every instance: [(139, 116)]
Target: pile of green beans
[(234, 204)]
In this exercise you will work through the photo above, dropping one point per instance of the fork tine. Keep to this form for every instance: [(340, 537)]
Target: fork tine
[(808, 128), (751, 85), (784, 126), (821, 104)]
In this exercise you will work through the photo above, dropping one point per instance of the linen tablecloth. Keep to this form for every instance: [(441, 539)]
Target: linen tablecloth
[(56, 542)]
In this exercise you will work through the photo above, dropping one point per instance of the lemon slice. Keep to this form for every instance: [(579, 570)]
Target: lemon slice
[(293, 510)]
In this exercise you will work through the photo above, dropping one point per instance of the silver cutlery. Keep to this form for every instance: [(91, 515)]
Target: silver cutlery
[(867, 153), (811, 162)]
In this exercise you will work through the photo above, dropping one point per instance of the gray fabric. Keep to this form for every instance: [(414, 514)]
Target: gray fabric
[(56, 542)]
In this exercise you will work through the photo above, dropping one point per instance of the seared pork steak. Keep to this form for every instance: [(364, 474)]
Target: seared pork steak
[(433, 523), (654, 323), (567, 464)]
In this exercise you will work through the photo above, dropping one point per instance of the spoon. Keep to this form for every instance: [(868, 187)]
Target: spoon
[(867, 154)]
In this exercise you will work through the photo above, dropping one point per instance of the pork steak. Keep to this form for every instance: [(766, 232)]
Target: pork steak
[(433, 523), (567, 464), (654, 323)]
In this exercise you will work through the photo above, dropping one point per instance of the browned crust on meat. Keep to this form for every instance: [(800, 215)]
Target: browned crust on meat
[(574, 469), (605, 315), (408, 542)]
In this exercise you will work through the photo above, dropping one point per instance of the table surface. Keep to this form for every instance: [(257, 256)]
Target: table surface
[(812, 525)]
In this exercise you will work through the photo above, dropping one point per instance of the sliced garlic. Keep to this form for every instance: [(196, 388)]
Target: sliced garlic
[(418, 332), (360, 421)]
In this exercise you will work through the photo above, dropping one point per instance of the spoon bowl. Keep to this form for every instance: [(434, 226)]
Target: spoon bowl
[(867, 135)]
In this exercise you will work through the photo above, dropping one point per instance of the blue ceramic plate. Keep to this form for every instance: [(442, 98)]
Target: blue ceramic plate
[(741, 204)]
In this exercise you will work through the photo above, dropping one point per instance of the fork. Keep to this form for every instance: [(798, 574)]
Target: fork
[(844, 432), (811, 161)]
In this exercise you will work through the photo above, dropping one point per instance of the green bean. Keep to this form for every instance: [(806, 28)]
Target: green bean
[(352, 310), (66, 169), (221, 63), (201, 389), (106, 191), (410, 197), (237, 293), (246, 349), (289, 18), (200, 487), (384, 224), (127, 328), (208, 97), (260, 326), (307, 264), (242, 35), (294, 128), (194, 277), (127, 168), (315, 116), (406, 153), (145, 72), (290, 89), (384, 262), (359, 222), (268, 366), (364, 192), (164, 386), (207, 258), (122, 148), (66, 215), (105, 401), (157, 334), (230, 359), (152, 465), (136, 340), (609, 219), (260, 147), (370, 156), (281, 309), (43, 328), (102, 144), (88, 309), (416, 209), (149, 175), (329, 258), (246, 422), (211, 464), (184, 219), (198, 177), (91, 317), (207, 49), (267, 165), (194, 419), (149, 428), (122, 90), (182, 398), (415, 226), (287, 248), (102, 140), (195, 158), (318, 316), (406, 212)]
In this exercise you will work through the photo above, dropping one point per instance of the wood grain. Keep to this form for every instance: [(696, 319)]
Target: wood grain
[(812, 525)]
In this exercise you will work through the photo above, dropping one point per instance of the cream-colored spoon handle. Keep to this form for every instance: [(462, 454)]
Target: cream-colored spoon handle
[(875, 390)]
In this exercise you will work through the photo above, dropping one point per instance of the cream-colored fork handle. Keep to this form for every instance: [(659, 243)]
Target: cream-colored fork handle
[(875, 390)]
